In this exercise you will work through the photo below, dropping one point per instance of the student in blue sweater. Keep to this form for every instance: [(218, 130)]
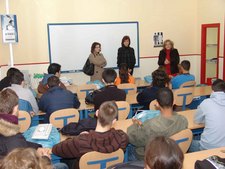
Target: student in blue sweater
[(184, 76), (211, 112), (56, 98), (160, 80)]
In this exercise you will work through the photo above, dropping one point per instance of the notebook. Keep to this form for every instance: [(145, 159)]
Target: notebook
[(42, 132)]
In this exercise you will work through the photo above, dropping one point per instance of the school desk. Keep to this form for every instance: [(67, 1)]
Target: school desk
[(191, 158)]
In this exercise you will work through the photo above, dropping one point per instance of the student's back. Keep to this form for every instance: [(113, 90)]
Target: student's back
[(124, 75), (212, 112), (56, 98)]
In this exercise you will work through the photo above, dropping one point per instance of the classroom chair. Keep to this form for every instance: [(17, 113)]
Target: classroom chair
[(188, 84), (24, 121), (72, 88), (152, 105), (128, 88), (84, 90), (122, 124), (62, 117), (96, 160), (123, 110), (183, 139), (183, 97)]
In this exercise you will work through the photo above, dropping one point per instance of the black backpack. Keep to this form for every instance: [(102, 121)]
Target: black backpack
[(89, 68)]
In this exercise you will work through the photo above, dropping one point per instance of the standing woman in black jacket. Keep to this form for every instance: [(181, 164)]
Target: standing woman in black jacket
[(126, 54), (169, 58)]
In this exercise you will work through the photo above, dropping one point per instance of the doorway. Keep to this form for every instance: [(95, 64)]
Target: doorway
[(210, 52)]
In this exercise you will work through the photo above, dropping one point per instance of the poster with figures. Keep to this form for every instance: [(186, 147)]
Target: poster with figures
[(9, 28), (158, 39)]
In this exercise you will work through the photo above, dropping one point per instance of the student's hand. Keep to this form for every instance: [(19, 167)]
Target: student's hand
[(44, 152), (167, 62), (84, 132), (136, 121), (32, 114)]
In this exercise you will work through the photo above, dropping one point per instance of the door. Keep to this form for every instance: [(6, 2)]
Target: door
[(210, 52)]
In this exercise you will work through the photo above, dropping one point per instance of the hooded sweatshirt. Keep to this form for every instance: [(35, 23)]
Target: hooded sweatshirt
[(140, 136), (211, 112), (106, 142)]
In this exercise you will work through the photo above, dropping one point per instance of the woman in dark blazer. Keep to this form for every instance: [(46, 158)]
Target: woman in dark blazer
[(169, 58), (126, 54)]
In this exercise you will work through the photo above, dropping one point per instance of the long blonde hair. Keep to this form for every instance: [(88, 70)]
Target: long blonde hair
[(168, 41), (25, 158)]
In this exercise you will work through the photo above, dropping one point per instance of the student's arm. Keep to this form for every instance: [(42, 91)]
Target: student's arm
[(132, 80), (33, 102), (76, 102), (124, 139), (67, 149), (199, 116)]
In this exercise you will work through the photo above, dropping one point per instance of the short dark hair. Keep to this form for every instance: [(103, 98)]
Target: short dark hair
[(93, 46), (17, 78), (11, 71), (163, 153), (160, 78), (53, 81), (109, 75), (124, 39), (108, 111), (165, 97), (218, 86), (186, 65), (9, 100), (54, 68)]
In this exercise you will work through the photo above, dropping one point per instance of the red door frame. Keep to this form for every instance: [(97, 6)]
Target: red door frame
[(203, 49)]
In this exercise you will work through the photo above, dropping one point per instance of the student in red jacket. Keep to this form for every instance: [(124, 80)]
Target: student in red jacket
[(103, 139)]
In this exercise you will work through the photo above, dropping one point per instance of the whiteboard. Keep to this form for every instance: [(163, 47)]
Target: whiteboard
[(70, 43)]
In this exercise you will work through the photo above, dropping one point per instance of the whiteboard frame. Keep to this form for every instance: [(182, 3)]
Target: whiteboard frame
[(92, 23)]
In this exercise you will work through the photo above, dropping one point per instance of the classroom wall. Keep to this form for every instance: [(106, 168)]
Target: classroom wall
[(177, 19)]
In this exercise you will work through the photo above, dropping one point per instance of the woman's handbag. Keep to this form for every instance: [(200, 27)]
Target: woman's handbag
[(89, 68)]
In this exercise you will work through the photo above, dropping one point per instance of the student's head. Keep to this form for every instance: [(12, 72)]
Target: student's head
[(163, 153), (185, 66), (109, 76), (55, 69), (8, 102), (107, 113), (126, 41), (53, 81), (168, 44), (123, 73), (165, 98), (17, 78), (95, 48), (11, 71), (160, 78), (218, 86), (24, 158)]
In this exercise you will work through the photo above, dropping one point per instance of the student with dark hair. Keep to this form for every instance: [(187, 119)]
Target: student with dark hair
[(166, 124), (160, 80), (54, 69), (10, 135), (126, 54), (163, 153), (6, 81), (124, 75), (211, 112), (104, 138), (97, 58), (110, 91), (184, 75), (56, 98), (18, 85)]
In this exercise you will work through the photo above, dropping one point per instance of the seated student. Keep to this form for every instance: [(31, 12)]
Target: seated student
[(124, 75), (163, 153), (110, 92), (6, 81), (53, 70), (211, 112), (56, 98), (104, 139), (184, 76), (10, 135), (159, 80), (17, 85), (166, 124)]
